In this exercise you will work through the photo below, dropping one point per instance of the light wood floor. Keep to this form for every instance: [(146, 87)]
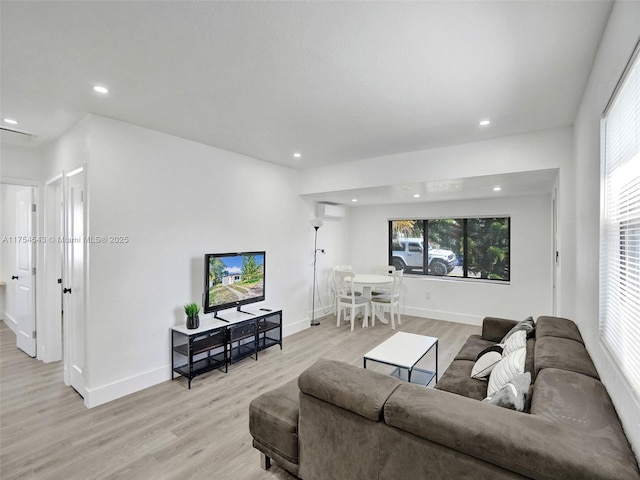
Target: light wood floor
[(168, 431)]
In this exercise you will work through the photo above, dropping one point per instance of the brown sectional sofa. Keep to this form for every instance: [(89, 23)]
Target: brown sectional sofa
[(341, 422)]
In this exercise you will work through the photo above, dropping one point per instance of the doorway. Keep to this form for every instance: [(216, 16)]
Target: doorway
[(74, 303), (64, 275)]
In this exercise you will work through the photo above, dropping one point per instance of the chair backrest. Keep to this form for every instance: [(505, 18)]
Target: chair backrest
[(338, 268), (384, 269), (342, 268), (342, 282), (398, 275)]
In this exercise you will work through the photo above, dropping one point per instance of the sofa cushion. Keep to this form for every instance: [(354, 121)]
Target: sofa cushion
[(487, 359), (529, 445), (494, 329), (273, 420), (457, 379), (565, 354), (557, 327), (355, 389), (472, 348), (581, 404), (505, 370), (513, 394)]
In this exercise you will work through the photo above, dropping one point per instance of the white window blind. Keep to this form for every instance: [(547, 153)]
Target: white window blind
[(620, 226)]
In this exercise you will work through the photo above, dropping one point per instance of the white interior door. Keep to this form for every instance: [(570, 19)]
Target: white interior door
[(25, 272), (51, 271), (74, 282), (556, 254)]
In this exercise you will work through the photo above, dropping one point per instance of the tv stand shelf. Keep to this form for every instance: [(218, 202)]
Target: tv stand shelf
[(218, 343)]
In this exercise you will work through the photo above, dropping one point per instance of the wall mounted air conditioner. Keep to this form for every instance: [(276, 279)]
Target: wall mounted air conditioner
[(330, 211)]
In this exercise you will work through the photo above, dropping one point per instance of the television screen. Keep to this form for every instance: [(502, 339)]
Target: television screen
[(233, 279)]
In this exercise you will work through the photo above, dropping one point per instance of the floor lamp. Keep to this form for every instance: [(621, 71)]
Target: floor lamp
[(316, 223)]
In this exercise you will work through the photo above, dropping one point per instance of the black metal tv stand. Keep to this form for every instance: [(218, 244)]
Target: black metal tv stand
[(215, 345)]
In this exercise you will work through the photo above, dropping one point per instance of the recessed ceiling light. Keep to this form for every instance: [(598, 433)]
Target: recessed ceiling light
[(10, 121), (354, 200), (484, 123), (417, 195), (297, 155), (100, 89), (497, 188)]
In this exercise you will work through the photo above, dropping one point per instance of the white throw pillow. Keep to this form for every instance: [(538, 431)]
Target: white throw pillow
[(485, 361), (514, 342), (505, 370)]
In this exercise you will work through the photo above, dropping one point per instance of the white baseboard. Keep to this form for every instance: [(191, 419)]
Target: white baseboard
[(295, 327), (106, 393), (10, 322), (440, 315)]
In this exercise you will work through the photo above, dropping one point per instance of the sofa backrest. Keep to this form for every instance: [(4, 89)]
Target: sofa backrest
[(355, 389), (340, 425)]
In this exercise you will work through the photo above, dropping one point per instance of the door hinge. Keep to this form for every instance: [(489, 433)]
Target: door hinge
[(33, 207), (33, 271), (33, 334)]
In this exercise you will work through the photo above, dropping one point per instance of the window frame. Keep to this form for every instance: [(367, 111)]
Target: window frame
[(618, 242), (464, 242)]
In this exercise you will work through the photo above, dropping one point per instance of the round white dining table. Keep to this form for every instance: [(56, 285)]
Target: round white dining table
[(369, 281)]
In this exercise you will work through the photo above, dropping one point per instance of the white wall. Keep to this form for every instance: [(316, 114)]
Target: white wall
[(519, 153), (528, 293), (333, 237), (20, 163), (68, 152), (175, 200), (620, 37)]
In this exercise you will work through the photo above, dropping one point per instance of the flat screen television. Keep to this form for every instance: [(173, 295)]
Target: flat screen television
[(233, 279)]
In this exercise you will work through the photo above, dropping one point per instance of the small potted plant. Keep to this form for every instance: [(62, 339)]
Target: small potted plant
[(192, 310)]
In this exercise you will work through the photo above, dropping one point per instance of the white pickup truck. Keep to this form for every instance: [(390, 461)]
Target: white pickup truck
[(407, 255)]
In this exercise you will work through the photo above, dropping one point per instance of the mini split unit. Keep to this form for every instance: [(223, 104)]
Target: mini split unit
[(329, 211)]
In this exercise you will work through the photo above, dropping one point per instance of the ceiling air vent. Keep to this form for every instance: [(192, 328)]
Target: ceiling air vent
[(16, 137)]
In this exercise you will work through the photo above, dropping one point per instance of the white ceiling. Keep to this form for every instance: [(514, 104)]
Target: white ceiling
[(337, 81)]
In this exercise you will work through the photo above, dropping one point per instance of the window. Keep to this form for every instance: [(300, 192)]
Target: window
[(456, 247), (620, 226)]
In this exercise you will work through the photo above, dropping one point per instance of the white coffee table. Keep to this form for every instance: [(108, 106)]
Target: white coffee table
[(404, 350)]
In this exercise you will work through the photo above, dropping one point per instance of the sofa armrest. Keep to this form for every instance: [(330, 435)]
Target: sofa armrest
[(531, 445), (355, 389), (493, 329)]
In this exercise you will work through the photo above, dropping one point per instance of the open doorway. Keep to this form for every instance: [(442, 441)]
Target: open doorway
[(64, 275)]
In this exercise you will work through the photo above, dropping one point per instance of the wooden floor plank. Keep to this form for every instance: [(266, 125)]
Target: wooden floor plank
[(167, 431)]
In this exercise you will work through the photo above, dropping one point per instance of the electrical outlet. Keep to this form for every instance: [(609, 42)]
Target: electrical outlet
[(427, 295)]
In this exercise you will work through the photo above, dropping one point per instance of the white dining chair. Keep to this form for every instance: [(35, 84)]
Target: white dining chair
[(390, 301), (382, 270), (348, 299), (334, 291)]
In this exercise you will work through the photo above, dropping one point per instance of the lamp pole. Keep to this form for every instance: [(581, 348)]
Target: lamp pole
[(316, 223)]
